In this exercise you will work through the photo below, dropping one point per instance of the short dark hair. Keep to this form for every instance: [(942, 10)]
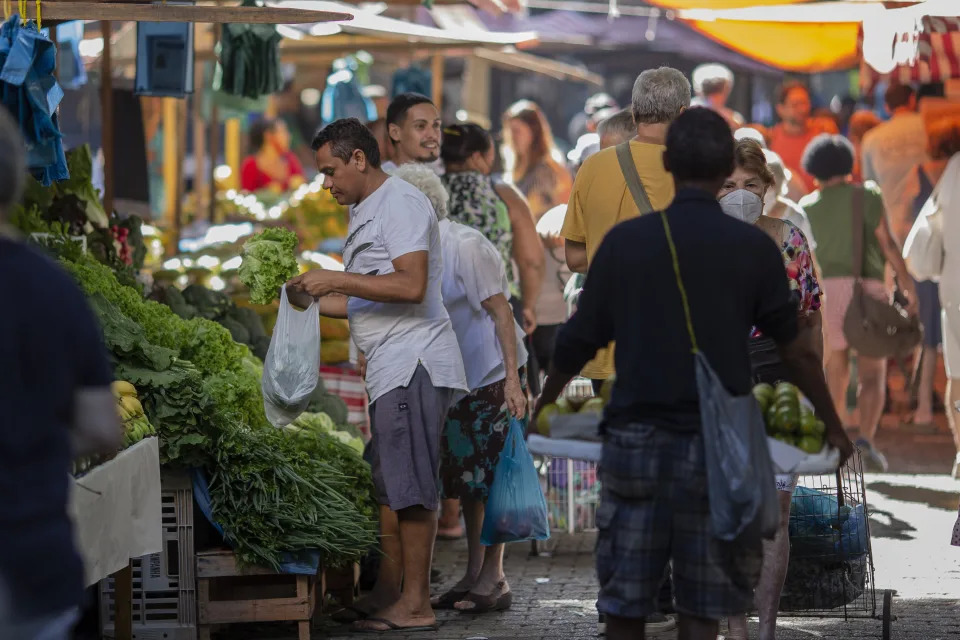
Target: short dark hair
[(784, 91), (828, 156), (699, 146), (397, 111), (898, 95), (258, 131), (460, 141), (346, 136)]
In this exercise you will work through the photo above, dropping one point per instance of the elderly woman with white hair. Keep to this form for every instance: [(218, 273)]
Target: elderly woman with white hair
[(776, 204), (475, 292)]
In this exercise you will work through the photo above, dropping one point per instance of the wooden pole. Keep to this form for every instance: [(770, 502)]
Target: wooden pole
[(214, 146), (106, 117), (436, 71), (170, 161), (181, 150), (123, 603), (199, 141), (231, 150)]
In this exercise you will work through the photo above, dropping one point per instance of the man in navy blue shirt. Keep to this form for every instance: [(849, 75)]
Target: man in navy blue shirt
[(55, 402), (654, 509)]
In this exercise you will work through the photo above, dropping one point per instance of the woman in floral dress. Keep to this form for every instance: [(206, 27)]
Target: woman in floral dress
[(742, 197)]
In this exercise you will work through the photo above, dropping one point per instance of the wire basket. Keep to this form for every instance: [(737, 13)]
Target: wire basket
[(831, 572)]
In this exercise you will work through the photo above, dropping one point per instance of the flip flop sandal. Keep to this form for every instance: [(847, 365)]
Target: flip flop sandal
[(392, 627), (450, 598), (487, 604), (349, 614)]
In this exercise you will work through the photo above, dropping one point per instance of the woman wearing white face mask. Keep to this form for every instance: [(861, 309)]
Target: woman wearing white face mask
[(742, 197)]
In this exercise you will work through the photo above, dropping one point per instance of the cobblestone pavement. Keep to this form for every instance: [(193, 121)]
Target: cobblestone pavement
[(911, 519)]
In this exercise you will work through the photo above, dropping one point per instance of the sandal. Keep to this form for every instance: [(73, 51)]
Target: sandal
[(349, 614), (450, 598), (392, 627), (487, 604)]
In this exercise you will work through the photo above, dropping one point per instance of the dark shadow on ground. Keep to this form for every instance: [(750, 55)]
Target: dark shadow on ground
[(883, 524), (946, 500)]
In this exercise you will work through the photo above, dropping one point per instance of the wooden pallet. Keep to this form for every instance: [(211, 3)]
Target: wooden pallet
[(227, 594)]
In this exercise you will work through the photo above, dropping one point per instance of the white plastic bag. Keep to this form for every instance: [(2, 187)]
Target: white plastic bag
[(923, 249), (292, 368)]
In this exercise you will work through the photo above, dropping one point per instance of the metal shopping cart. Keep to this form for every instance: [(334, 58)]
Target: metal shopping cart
[(569, 479), (831, 572)]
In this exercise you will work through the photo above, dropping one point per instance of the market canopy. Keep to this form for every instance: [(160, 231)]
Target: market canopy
[(793, 35)]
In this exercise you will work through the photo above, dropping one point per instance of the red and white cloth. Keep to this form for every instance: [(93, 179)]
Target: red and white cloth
[(347, 383), (938, 55)]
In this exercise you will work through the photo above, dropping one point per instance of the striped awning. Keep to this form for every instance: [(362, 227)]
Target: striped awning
[(931, 54)]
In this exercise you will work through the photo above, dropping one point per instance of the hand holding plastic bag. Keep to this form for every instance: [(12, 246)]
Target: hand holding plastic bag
[(292, 368), (516, 509)]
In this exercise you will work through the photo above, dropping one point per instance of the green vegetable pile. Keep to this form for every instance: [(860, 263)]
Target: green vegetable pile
[(196, 301), (271, 492), (268, 262)]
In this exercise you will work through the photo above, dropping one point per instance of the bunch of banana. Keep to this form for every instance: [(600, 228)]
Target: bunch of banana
[(136, 427)]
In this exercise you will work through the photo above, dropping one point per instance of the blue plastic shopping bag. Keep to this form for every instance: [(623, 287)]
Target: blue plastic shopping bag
[(516, 509)]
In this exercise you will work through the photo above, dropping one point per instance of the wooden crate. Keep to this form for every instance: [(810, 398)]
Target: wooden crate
[(343, 583), (227, 594)]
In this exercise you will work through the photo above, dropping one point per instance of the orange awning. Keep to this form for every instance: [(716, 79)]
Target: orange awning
[(803, 36)]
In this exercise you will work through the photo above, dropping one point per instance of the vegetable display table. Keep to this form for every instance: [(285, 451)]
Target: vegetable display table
[(116, 514)]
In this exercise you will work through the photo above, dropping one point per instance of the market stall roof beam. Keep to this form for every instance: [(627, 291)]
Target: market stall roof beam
[(70, 10)]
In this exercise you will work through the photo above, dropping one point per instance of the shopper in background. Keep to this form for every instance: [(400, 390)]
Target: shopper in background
[(498, 211), (943, 143), (272, 166), (56, 404), (949, 200), (829, 159), (534, 165), (742, 197), (860, 123), (585, 122), (600, 197), (796, 129), (891, 152), (391, 293), (475, 293), (776, 204), (712, 84), (654, 511), (616, 129), (413, 130)]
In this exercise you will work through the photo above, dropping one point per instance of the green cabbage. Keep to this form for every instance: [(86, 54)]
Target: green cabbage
[(268, 262)]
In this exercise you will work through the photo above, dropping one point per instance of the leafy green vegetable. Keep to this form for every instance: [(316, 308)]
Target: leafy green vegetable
[(80, 184), (268, 262), (270, 496), (126, 339), (236, 398)]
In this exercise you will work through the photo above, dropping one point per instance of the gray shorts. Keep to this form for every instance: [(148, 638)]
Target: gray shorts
[(405, 424)]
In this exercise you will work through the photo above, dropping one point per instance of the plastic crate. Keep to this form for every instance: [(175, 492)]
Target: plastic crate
[(164, 584)]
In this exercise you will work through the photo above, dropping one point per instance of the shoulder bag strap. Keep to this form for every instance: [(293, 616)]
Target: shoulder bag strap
[(858, 232), (629, 169)]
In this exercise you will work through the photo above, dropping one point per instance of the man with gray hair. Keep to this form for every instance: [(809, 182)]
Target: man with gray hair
[(601, 199), (56, 403), (616, 128)]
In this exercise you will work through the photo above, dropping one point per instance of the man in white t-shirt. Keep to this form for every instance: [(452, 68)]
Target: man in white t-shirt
[(391, 292)]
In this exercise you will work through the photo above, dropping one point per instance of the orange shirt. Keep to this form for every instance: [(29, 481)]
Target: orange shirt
[(790, 147)]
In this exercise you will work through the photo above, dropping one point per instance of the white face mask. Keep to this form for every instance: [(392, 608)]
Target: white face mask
[(743, 205)]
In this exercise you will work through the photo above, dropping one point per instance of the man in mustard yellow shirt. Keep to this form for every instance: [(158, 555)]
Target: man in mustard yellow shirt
[(601, 199)]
